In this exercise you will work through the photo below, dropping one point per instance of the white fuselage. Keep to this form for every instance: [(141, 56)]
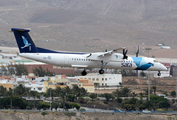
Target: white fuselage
[(81, 61)]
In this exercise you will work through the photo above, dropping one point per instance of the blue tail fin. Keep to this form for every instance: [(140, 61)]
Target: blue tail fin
[(24, 41)]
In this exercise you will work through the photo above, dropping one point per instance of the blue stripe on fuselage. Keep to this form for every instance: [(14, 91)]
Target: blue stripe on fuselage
[(141, 63)]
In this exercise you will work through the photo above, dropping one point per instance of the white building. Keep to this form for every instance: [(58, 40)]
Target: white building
[(38, 86), (22, 81), (104, 79)]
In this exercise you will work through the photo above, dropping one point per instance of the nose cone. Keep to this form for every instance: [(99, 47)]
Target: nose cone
[(163, 68)]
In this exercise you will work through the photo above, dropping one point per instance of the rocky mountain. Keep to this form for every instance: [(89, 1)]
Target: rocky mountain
[(92, 25)]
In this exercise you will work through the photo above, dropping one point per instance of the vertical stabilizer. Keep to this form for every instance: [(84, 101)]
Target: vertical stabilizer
[(24, 41)]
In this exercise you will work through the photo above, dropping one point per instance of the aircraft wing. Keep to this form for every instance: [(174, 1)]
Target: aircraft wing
[(111, 51), (106, 56)]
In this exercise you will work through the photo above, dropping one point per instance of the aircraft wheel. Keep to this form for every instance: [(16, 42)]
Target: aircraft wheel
[(84, 73), (101, 71), (159, 74)]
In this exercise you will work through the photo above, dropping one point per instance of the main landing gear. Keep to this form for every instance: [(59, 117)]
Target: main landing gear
[(159, 74), (84, 73), (101, 71)]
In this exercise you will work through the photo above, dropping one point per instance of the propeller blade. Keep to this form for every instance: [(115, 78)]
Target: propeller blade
[(124, 54), (137, 50)]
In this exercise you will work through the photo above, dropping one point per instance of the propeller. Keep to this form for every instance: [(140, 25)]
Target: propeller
[(137, 50), (124, 54)]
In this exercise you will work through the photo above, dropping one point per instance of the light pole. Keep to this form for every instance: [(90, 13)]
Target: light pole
[(97, 90), (148, 76), (50, 99), (63, 99)]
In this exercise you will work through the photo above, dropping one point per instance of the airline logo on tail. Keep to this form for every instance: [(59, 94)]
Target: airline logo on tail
[(26, 44)]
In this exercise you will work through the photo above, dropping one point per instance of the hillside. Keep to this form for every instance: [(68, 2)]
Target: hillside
[(10, 115), (93, 25)]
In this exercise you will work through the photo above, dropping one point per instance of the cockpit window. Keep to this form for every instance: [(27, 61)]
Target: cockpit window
[(156, 61)]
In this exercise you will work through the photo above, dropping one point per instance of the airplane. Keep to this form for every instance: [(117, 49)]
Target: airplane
[(103, 60)]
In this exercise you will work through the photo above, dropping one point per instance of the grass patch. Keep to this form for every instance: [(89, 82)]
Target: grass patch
[(43, 113), (70, 114), (105, 102)]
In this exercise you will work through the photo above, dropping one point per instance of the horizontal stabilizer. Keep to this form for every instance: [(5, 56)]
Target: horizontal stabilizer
[(20, 29)]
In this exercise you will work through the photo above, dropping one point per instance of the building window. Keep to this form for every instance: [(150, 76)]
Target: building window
[(93, 79), (102, 84), (91, 89), (79, 84), (102, 78), (106, 79), (97, 79)]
